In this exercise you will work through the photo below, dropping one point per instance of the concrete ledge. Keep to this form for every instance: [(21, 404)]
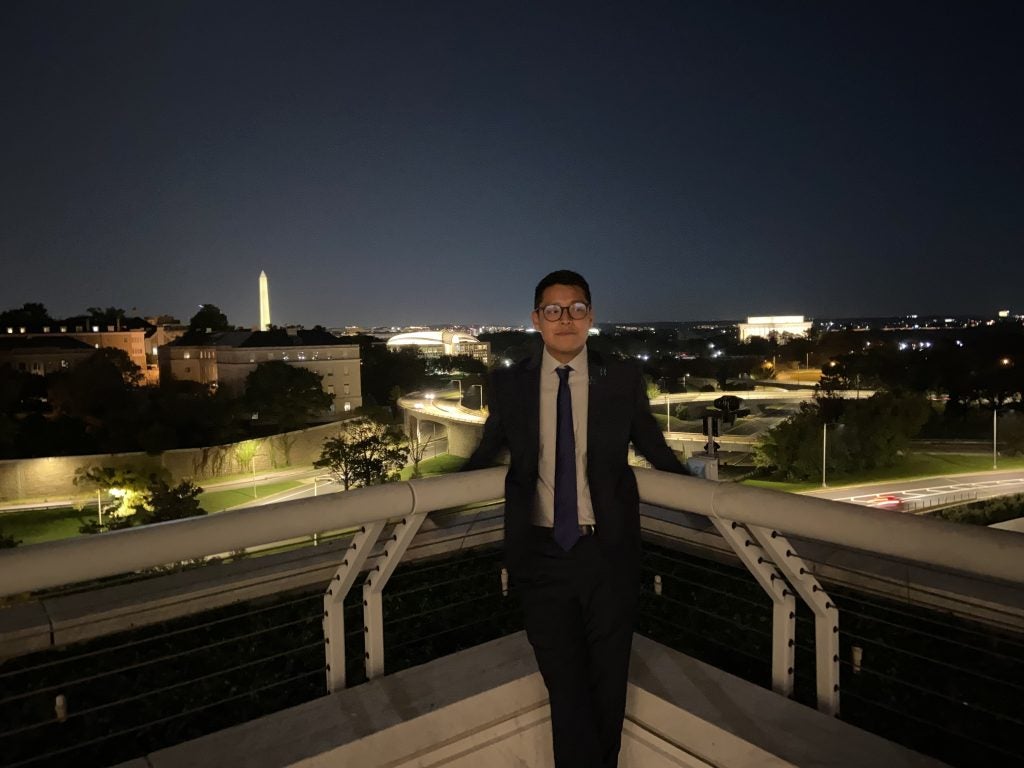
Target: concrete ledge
[(24, 628), (487, 706), (727, 721), (490, 695)]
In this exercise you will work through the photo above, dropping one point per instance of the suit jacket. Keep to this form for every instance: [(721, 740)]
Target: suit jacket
[(618, 413)]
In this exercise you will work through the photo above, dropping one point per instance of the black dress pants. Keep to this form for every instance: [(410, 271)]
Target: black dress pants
[(580, 611)]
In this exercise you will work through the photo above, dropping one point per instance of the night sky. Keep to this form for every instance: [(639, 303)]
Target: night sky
[(428, 162)]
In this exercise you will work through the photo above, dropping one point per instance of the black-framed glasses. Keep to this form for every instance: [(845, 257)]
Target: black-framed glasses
[(554, 312)]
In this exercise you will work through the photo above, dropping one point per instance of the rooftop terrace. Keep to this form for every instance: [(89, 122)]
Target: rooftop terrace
[(377, 627)]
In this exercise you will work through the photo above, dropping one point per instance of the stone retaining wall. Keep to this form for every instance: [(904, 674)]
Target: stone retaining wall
[(52, 478)]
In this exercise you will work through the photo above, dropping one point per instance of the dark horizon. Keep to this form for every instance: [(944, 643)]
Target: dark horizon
[(407, 164)]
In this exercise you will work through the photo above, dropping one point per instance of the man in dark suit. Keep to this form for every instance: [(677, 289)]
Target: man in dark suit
[(572, 520)]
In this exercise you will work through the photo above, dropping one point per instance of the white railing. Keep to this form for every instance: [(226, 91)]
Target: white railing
[(752, 521), (42, 566)]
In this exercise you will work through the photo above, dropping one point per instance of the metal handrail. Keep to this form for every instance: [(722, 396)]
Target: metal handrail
[(975, 550), (53, 564)]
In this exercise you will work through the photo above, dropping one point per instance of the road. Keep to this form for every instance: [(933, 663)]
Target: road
[(927, 493), (314, 482), (429, 404)]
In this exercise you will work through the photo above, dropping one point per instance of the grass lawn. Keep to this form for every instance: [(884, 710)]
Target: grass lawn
[(218, 501), (437, 465), (915, 465), (33, 526)]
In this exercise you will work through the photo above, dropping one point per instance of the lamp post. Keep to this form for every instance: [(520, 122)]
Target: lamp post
[(824, 452), (824, 449), (995, 413), (1005, 362), (668, 415), (481, 388), (459, 382)]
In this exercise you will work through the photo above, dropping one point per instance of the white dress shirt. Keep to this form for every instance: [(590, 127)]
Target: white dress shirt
[(579, 390)]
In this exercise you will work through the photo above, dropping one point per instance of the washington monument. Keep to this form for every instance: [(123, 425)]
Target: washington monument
[(264, 302)]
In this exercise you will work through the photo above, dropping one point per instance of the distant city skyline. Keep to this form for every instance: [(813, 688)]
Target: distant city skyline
[(524, 323), (413, 163)]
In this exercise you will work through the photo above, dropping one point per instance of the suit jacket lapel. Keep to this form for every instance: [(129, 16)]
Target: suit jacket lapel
[(595, 396)]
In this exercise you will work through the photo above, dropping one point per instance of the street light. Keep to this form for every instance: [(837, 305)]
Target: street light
[(1005, 362), (459, 382), (481, 386), (668, 415), (824, 450), (995, 413)]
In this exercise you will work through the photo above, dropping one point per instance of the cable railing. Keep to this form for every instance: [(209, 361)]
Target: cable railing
[(939, 683), (126, 687), (421, 580)]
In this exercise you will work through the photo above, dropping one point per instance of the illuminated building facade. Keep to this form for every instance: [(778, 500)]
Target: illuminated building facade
[(782, 326), (434, 344), (226, 359)]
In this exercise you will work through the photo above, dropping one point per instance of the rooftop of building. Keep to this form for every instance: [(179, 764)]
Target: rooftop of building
[(276, 337), (21, 343), (429, 337), (331, 653)]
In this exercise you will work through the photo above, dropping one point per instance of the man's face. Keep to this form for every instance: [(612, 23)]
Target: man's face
[(564, 338)]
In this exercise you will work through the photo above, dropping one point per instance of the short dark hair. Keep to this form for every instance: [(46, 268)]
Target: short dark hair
[(560, 277)]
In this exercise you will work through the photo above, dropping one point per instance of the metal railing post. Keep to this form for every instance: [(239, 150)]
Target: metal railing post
[(373, 588), (334, 602), (826, 617), (783, 603)]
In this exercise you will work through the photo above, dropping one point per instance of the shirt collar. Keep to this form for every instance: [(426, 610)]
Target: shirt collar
[(548, 364)]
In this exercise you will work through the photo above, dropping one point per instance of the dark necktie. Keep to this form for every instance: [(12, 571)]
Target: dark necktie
[(567, 527)]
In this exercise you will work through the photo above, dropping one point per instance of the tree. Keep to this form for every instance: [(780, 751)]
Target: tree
[(29, 315), (131, 373), (456, 364), (793, 447), (872, 432), (651, 387), (364, 453), (187, 413), (209, 318), (171, 503), (418, 448), (384, 370), (127, 487), (8, 542), (340, 456), (156, 502), (1011, 433), (100, 393), (96, 387), (110, 316), (286, 395), (245, 452)]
